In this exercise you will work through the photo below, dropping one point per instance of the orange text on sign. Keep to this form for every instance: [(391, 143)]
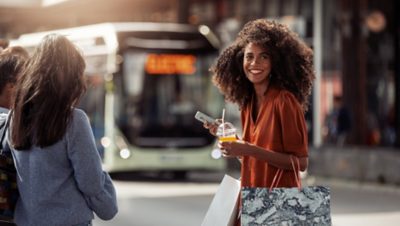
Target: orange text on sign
[(170, 64)]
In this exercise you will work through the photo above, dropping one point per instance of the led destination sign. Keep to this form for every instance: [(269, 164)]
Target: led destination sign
[(170, 64)]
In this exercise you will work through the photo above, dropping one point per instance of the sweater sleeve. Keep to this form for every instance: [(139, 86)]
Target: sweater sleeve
[(92, 181)]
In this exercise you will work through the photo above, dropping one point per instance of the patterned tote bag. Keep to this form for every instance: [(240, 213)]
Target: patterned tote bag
[(301, 206)]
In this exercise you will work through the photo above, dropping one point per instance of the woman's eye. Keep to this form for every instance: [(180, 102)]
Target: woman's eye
[(264, 56), (248, 57)]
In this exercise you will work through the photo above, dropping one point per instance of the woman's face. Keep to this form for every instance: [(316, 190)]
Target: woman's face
[(256, 64)]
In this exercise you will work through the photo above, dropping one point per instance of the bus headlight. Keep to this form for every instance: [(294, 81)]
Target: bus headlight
[(125, 153), (105, 141), (216, 153), (204, 30)]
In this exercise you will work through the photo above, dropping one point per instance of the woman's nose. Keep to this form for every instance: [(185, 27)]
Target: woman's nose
[(255, 60)]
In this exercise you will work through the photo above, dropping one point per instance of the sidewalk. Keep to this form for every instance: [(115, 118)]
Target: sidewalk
[(360, 203), (362, 164), (310, 180), (378, 219)]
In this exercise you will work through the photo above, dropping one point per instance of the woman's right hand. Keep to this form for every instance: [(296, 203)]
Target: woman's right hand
[(212, 127)]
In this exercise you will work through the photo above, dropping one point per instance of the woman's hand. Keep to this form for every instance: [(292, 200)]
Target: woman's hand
[(212, 127), (237, 148), (241, 148)]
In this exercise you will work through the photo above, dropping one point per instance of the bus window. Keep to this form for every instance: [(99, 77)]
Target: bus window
[(160, 100)]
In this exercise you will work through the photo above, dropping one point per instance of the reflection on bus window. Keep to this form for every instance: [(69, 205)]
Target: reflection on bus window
[(162, 105)]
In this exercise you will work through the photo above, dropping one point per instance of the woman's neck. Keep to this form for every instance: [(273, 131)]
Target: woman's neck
[(261, 90)]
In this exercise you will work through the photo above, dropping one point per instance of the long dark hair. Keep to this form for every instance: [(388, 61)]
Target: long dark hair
[(292, 66), (12, 61), (46, 92)]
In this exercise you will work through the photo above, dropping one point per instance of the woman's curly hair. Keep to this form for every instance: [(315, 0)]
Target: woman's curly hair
[(291, 59)]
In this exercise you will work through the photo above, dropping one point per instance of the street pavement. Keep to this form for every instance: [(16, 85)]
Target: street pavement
[(362, 204), (154, 201)]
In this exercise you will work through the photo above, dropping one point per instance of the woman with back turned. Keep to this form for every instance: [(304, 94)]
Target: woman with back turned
[(12, 60), (268, 72), (60, 178)]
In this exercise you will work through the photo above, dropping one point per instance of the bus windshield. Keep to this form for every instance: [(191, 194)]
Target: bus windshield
[(159, 96)]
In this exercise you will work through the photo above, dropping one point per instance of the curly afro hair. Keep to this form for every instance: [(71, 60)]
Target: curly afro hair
[(291, 58)]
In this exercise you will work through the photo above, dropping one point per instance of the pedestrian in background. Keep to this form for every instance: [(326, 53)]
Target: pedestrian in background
[(12, 60), (338, 122), (268, 72), (60, 178)]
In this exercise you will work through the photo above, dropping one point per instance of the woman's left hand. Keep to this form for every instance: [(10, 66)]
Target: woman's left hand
[(234, 149)]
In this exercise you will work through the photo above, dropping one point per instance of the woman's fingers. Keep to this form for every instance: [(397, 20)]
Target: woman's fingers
[(225, 148), (225, 152), (232, 149), (212, 127)]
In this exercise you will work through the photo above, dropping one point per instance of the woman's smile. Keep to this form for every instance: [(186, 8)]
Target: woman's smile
[(255, 71)]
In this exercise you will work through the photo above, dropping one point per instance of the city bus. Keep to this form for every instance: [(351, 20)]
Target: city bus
[(146, 81)]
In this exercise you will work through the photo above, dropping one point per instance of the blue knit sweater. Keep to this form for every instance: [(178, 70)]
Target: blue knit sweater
[(63, 184)]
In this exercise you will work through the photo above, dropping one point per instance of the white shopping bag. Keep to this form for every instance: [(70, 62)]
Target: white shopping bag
[(224, 206)]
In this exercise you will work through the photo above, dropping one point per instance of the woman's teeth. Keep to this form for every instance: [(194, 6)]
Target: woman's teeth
[(255, 71)]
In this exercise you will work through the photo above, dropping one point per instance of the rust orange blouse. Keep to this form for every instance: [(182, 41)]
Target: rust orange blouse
[(280, 127)]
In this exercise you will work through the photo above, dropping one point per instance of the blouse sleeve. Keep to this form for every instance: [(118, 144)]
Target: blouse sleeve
[(92, 181), (293, 126)]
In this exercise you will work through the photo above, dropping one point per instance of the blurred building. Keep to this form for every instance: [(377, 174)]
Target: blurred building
[(360, 39), (360, 59), (70, 13)]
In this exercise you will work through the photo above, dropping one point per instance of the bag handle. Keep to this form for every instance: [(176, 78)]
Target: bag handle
[(278, 175), (276, 179), (296, 170)]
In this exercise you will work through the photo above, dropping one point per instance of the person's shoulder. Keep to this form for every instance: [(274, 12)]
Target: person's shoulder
[(286, 98), (78, 121), (78, 111), (79, 115), (285, 94), (282, 95)]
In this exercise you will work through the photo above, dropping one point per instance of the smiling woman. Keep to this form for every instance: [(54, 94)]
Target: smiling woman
[(268, 72), (257, 64)]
